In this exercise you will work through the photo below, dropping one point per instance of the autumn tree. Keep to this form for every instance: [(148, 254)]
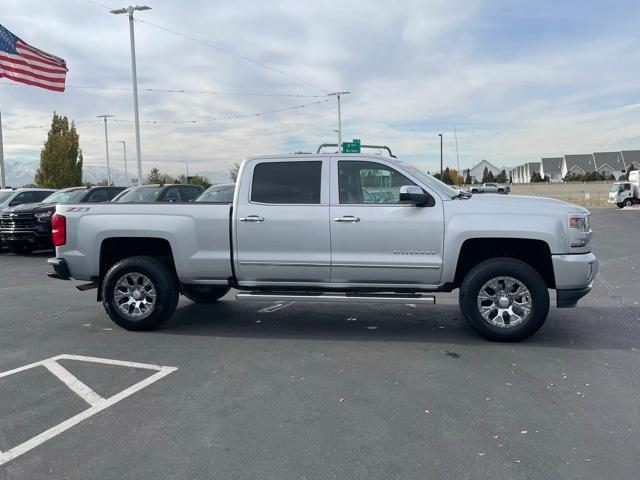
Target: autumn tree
[(61, 158)]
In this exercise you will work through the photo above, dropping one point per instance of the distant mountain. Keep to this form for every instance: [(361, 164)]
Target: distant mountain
[(19, 174)]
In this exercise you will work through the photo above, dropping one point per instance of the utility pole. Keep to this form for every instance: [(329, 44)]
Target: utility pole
[(338, 94), (441, 170), (106, 145), (134, 74), (455, 134), (126, 171), (3, 180)]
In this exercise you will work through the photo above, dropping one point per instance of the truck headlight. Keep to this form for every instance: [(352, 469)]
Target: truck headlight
[(581, 223), (44, 216)]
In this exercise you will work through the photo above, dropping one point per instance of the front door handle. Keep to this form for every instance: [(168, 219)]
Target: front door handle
[(347, 219), (252, 218)]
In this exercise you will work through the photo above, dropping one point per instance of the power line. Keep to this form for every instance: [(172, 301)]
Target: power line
[(234, 54), (221, 49), (229, 117), (205, 120), (169, 90)]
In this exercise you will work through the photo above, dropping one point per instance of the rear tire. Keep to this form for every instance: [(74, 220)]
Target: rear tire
[(204, 293), (504, 299), (140, 293), (21, 248)]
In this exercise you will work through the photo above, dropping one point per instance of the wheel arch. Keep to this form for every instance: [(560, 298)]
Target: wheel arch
[(114, 249), (533, 252)]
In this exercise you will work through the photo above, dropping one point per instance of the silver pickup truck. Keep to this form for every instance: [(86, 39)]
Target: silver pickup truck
[(333, 228)]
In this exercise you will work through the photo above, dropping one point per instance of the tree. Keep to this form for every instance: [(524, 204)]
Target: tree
[(490, 177), (446, 176), (485, 175), (467, 179), (233, 172), (200, 180), (155, 176), (61, 158), (536, 178), (502, 177), (456, 179)]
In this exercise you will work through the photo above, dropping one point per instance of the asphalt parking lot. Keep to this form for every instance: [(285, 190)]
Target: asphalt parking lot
[(299, 391)]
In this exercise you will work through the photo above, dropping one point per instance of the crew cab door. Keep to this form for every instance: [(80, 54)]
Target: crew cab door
[(375, 239), (281, 221)]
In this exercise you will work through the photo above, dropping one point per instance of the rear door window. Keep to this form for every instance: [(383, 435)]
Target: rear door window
[(287, 182), (190, 193), (98, 196), (172, 195), (40, 196)]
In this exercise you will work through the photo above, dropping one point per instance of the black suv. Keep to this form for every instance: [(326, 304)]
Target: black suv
[(170, 193), (26, 227)]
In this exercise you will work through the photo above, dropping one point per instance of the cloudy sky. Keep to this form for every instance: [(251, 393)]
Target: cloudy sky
[(519, 79)]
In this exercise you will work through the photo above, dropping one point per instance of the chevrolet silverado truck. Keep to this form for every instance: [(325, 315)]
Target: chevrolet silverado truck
[(490, 188), (301, 228)]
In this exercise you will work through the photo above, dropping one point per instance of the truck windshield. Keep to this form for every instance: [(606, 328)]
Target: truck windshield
[(442, 188), (66, 196), (615, 188), (139, 194)]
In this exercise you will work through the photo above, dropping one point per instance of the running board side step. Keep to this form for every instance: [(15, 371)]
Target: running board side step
[(337, 298)]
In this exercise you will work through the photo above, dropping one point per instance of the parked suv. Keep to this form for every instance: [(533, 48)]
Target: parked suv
[(170, 193), (25, 227)]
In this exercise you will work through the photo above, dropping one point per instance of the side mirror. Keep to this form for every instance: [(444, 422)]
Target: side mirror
[(416, 196)]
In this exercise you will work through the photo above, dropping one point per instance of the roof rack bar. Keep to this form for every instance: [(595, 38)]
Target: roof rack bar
[(377, 147)]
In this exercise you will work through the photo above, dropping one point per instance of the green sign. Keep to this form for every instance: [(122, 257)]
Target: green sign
[(351, 147)]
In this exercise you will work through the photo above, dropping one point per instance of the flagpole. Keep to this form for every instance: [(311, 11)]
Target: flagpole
[(3, 183)]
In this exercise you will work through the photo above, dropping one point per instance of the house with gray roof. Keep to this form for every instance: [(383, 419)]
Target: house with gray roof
[(631, 159), (477, 170), (532, 167), (609, 163), (578, 164), (551, 167)]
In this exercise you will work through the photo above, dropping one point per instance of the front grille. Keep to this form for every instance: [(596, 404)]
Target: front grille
[(18, 221)]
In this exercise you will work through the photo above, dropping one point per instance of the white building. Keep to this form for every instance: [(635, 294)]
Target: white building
[(477, 171)]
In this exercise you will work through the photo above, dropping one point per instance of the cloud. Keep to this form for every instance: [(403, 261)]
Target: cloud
[(518, 83)]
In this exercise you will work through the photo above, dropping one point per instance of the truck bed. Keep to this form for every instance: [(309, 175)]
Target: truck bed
[(202, 257)]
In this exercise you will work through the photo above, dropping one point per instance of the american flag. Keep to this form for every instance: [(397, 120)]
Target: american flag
[(23, 63)]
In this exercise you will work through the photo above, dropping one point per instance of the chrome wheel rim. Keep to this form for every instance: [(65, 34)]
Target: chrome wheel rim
[(504, 302), (135, 295)]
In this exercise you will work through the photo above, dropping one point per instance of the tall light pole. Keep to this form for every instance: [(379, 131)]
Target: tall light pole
[(338, 95), (106, 145), (134, 74), (440, 135), (126, 171), (186, 162)]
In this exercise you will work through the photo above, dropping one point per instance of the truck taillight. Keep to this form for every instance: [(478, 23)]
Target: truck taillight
[(58, 230)]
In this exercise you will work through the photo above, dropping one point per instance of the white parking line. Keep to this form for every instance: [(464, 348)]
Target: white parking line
[(83, 391), (275, 307)]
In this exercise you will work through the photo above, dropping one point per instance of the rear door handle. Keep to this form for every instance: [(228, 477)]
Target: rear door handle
[(252, 218), (347, 219)]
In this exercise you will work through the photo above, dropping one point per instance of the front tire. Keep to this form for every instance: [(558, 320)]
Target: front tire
[(628, 203), (139, 293), (203, 293), (504, 299)]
